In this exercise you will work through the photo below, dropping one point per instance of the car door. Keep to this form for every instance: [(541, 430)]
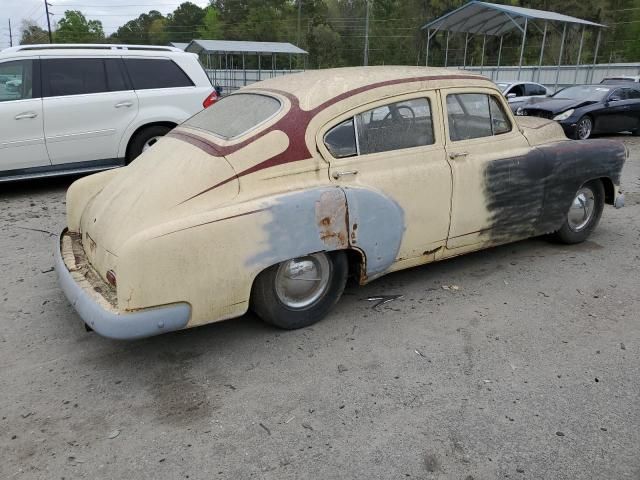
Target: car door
[(87, 105), (395, 147), (498, 179), (611, 116), (22, 142), (631, 112)]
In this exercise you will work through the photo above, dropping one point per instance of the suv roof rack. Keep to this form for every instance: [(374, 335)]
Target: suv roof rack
[(91, 46)]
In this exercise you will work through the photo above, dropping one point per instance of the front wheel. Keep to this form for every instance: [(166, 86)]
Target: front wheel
[(584, 127), (299, 292), (584, 213)]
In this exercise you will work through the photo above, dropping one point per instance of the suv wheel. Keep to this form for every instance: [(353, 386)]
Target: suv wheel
[(145, 139)]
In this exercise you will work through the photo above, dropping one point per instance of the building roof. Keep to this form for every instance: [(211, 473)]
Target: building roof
[(180, 45), (478, 17), (235, 46)]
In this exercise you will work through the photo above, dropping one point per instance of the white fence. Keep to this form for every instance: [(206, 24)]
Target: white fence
[(566, 75), (232, 79)]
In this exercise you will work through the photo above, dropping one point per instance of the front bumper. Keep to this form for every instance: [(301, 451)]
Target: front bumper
[(98, 312), (569, 128)]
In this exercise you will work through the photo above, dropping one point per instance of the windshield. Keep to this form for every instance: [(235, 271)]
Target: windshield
[(583, 92), (503, 86), (235, 115)]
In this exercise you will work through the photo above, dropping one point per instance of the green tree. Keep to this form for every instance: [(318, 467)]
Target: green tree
[(324, 46), (75, 28), (148, 28), (32, 34), (184, 22), (211, 28)]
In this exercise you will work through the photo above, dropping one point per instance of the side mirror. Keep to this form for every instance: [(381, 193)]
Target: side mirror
[(614, 98), (511, 95)]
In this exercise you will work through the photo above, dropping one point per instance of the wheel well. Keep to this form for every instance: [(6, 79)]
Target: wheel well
[(147, 125), (356, 261), (608, 190)]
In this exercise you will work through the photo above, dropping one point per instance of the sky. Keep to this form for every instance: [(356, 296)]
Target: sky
[(112, 13)]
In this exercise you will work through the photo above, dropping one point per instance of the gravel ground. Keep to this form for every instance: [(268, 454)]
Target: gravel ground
[(528, 371)]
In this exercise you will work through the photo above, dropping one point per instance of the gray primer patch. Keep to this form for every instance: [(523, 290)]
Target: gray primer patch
[(376, 226)]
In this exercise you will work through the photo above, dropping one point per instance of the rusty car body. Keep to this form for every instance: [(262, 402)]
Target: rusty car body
[(272, 196)]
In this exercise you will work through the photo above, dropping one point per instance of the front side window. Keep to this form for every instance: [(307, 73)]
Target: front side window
[(475, 115), (147, 73), (533, 89), (16, 80), (235, 115)]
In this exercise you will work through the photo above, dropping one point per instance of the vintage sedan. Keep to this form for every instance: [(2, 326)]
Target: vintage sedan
[(274, 196)]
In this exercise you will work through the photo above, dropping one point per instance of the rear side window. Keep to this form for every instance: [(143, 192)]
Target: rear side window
[(633, 94), (16, 80), (116, 80), (147, 73), (395, 126), (73, 76), (475, 115), (235, 115)]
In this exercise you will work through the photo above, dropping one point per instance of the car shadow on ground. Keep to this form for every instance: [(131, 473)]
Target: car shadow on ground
[(36, 186)]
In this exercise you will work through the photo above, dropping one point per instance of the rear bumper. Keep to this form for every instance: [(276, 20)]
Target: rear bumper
[(103, 317)]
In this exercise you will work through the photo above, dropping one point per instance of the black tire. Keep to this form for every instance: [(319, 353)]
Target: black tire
[(587, 120), (266, 303), (137, 143), (568, 234)]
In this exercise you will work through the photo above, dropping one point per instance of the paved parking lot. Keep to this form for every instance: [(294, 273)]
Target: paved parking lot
[(527, 369)]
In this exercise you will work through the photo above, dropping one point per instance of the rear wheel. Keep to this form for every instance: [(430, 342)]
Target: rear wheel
[(584, 213), (299, 292), (144, 140), (584, 127)]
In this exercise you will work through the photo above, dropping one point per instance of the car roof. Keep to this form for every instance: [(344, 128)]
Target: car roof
[(90, 49), (314, 87)]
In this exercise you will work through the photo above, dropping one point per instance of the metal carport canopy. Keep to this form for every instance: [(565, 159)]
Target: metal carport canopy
[(482, 18), (234, 47)]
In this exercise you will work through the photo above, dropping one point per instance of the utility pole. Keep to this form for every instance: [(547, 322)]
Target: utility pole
[(10, 36), (366, 35), (46, 9), (299, 18)]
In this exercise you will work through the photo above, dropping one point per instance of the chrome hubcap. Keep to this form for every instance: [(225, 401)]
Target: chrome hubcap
[(301, 282), (582, 209), (150, 143), (584, 128)]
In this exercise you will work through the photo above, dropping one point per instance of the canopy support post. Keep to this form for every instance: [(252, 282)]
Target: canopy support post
[(446, 51), (426, 58), (259, 67), (524, 39), (244, 71), (564, 35), (544, 39), (499, 55), (466, 42), (595, 55), (575, 77), (484, 43)]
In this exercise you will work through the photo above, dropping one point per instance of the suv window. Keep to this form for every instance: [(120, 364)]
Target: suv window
[(146, 73), (73, 76), (533, 89), (235, 115), (395, 126), (16, 80), (475, 115)]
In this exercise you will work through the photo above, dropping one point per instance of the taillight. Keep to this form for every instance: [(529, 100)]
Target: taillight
[(210, 100)]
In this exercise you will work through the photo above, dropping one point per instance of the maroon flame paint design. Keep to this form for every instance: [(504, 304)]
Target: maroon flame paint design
[(294, 124)]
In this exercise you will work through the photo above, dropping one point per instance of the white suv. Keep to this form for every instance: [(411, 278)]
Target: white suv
[(67, 109)]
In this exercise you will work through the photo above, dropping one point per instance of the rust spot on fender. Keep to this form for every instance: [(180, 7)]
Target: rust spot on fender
[(331, 218)]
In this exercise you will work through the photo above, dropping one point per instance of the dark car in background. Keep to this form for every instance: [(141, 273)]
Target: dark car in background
[(583, 110)]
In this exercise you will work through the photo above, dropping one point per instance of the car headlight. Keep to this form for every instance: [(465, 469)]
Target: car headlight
[(564, 115), (519, 111)]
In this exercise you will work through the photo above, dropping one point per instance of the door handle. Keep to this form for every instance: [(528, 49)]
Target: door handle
[(26, 115), (123, 104), (454, 155), (337, 175)]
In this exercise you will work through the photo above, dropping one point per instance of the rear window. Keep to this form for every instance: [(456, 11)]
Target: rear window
[(146, 73), (235, 115)]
